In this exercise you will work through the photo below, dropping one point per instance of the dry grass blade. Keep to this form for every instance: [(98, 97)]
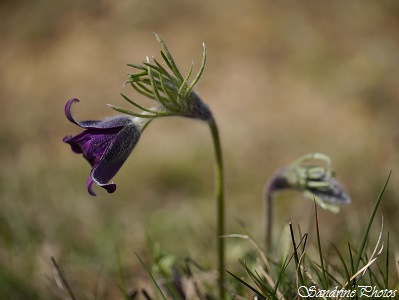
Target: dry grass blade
[(366, 233), (263, 256), (298, 271), (364, 269), (378, 243), (60, 279)]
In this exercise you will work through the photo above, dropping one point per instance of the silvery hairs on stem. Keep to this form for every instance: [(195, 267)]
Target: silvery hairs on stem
[(315, 182), (172, 92)]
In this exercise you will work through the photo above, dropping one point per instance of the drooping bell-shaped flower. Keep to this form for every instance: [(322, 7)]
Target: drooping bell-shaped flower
[(106, 144), (314, 181)]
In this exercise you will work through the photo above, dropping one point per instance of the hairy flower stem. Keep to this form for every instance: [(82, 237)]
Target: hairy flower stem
[(220, 205), (268, 220)]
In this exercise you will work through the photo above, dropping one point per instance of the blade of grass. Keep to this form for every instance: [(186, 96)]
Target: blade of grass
[(280, 275), (366, 233), (351, 258), (190, 275), (341, 258), (152, 277), (298, 271), (323, 270), (256, 246), (326, 273), (379, 239), (374, 281), (367, 266), (248, 286), (145, 294), (285, 266), (259, 281), (296, 255), (63, 280)]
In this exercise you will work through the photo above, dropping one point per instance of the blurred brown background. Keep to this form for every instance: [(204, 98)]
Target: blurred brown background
[(283, 78)]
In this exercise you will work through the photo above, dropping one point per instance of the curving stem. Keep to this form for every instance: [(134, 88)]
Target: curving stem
[(268, 198), (220, 205)]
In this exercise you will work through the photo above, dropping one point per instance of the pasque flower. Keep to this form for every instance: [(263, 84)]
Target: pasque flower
[(173, 95), (315, 182), (106, 145)]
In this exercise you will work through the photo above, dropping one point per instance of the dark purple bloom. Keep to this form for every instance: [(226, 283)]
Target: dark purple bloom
[(105, 144)]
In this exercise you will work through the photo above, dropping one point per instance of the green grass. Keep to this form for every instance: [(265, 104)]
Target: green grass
[(273, 276), (361, 267), (309, 86)]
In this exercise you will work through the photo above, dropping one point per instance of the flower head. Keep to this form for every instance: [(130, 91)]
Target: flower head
[(106, 145), (171, 91), (315, 182)]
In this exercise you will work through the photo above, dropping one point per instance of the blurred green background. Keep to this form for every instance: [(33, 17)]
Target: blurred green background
[(283, 78)]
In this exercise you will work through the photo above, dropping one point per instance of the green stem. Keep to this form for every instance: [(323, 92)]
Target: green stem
[(268, 198), (220, 206)]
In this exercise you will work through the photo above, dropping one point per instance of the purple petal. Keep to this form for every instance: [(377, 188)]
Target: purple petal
[(89, 183), (334, 194), (105, 144), (110, 187), (92, 143), (114, 156), (107, 123), (69, 139)]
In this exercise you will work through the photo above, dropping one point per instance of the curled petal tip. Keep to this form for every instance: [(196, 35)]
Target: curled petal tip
[(68, 112), (109, 187), (70, 102), (89, 185)]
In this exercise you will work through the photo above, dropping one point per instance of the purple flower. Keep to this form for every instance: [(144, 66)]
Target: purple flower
[(105, 144)]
